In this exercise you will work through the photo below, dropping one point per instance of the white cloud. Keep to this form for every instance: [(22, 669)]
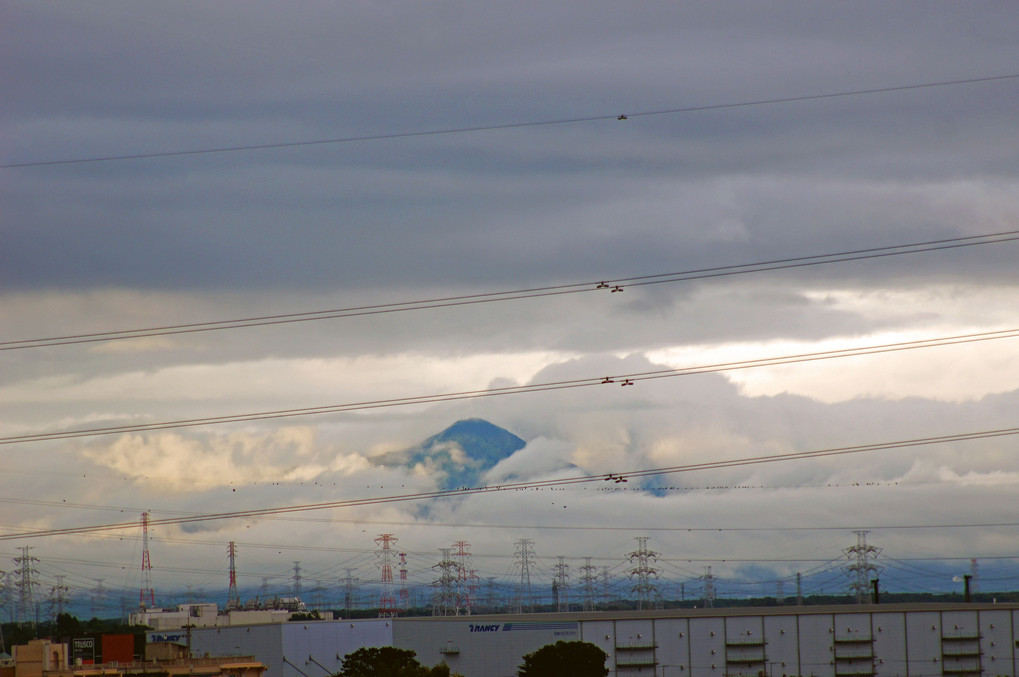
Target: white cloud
[(165, 241), (179, 464)]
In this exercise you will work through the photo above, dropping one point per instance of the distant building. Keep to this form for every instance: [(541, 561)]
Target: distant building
[(208, 615), (43, 658)]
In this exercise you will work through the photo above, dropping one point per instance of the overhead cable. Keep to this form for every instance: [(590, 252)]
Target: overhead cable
[(629, 379), (607, 285), (622, 476), (510, 125)]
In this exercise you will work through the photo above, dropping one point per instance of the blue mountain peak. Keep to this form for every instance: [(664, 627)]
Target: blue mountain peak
[(462, 452)]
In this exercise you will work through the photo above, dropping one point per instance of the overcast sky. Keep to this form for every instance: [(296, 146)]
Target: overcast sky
[(532, 182)]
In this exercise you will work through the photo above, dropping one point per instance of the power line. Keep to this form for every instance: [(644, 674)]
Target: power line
[(616, 379), (510, 125), (540, 527), (610, 285), (523, 486)]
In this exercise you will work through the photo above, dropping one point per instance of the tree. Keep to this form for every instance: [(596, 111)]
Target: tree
[(565, 659), (387, 661), (67, 625)]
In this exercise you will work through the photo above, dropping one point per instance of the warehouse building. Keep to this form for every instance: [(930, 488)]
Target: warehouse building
[(894, 640)]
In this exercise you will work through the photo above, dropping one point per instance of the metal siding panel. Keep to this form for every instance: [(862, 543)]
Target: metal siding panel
[(600, 633), (923, 637), (961, 621), (742, 635), (782, 645), (485, 652), (673, 637), (707, 647), (997, 643), (264, 642), (327, 642), (817, 649), (889, 644), (631, 634), (853, 624)]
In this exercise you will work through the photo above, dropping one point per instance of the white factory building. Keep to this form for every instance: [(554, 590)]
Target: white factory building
[(893, 640)]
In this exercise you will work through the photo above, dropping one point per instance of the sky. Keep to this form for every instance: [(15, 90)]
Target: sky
[(177, 163)]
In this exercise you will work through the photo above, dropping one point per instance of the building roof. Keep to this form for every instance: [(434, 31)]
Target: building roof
[(781, 610)]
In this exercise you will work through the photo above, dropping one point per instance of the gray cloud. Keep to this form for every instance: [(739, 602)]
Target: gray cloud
[(173, 240)]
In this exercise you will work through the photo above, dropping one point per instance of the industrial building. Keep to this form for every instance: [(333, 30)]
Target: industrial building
[(45, 658), (893, 640)]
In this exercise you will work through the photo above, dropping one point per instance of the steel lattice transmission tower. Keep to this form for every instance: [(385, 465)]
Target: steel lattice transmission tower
[(58, 598), (26, 574), (444, 595), (7, 590), (98, 597), (404, 592), (709, 588), (861, 566), (233, 598), (561, 584), (350, 584), (523, 559), (588, 578), (146, 593), (296, 578), (466, 579), (644, 573), (387, 597)]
